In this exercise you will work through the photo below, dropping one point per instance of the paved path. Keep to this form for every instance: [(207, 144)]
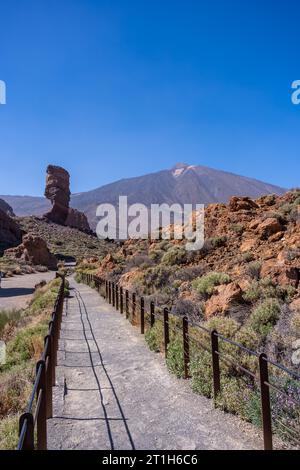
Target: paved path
[(16, 291), (113, 393)]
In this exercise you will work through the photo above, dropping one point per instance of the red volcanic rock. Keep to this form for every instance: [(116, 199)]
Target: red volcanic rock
[(10, 232), (77, 219), (34, 250), (269, 227), (58, 191), (224, 297), (241, 203)]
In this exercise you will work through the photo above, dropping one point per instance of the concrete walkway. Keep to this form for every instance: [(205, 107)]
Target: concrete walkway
[(113, 393), (16, 291)]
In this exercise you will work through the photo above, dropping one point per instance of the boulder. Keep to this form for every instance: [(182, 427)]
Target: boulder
[(248, 244), (269, 227), (33, 250), (223, 299), (242, 203), (77, 219)]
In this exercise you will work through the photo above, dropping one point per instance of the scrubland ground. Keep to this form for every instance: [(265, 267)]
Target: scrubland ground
[(23, 332)]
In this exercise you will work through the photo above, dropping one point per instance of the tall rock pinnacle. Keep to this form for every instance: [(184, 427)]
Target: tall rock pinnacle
[(58, 192)]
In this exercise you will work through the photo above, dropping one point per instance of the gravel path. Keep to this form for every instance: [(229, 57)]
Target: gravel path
[(16, 291), (113, 393)]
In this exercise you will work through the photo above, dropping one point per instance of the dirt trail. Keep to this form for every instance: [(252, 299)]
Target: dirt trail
[(16, 291), (113, 393)]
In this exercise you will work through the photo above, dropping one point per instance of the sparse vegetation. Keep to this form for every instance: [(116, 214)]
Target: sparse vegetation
[(24, 346), (205, 285), (254, 269), (264, 317)]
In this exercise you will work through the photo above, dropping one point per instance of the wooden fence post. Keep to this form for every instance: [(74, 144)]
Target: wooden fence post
[(265, 401), (186, 346), (215, 363), (166, 330)]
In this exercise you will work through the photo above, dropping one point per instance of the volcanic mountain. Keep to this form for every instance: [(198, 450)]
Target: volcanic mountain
[(184, 184)]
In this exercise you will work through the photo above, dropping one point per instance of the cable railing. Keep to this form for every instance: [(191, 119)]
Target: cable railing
[(33, 422), (213, 343)]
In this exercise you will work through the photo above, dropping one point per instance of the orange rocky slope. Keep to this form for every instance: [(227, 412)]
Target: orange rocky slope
[(250, 261)]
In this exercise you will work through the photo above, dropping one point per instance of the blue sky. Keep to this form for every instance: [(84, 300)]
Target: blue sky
[(113, 89)]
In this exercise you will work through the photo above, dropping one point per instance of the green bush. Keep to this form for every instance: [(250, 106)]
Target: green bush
[(201, 373), (78, 277), (265, 316), (237, 228), (154, 337), (266, 289), (175, 362), (226, 326), (9, 433), (247, 257), (253, 409), (176, 255), (205, 285), (218, 241), (9, 316), (26, 345), (254, 269), (248, 337), (234, 396)]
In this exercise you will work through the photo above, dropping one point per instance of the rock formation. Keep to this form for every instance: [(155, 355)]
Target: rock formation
[(33, 250), (58, 192), (10, 232), (6, 208)]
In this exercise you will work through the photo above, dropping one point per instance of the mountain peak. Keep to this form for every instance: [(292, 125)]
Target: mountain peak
[(180, 166)]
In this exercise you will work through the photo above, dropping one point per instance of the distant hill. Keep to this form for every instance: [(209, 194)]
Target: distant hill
[(181, 184)]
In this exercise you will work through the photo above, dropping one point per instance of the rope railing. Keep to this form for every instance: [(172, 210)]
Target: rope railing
[(33, 422), (129, 303)]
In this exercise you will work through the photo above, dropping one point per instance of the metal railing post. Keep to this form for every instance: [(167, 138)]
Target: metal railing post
[(133, 307), (186, 346), (215, 363), (127, 303), (265, 402), (142, 311), (42, 412), (48, 364), (166, 330), (121, 300), (28, 441), (109, 292), (117, 297), (52, 362), (152, 315), (113, 294)]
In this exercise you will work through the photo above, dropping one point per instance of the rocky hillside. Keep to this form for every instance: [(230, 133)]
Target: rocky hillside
[(6, 208), (182, 184), (246, 278), (10, 233), (65, 242)]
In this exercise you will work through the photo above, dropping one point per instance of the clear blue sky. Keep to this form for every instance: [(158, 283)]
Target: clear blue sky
[(113, 89)]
